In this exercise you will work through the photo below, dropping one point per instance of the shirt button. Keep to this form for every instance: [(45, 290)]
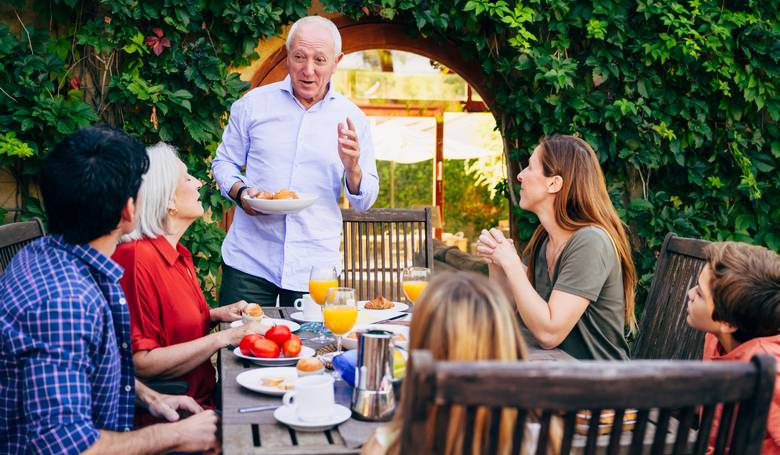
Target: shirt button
[(127, 429), (124, 345), (122, 301), (128, 388)]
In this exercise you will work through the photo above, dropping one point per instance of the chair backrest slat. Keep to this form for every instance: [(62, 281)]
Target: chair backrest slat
[(379, 243), (14, 236), (635, 402), (663, 330)]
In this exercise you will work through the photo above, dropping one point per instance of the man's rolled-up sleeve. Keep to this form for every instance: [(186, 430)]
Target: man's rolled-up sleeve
[(369, 184), (232, 151), (57, 395)]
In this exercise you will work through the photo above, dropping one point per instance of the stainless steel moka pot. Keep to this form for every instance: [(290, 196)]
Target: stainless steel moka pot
[(373, 397)]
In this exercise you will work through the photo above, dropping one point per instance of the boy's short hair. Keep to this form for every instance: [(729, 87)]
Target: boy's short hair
[(88, 178), (745, 288)]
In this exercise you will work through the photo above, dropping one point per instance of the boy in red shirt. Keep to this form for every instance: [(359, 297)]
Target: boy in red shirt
[(737, 302)]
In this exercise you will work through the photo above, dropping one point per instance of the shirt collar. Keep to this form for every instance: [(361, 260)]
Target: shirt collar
[(748, 348), (287, 87), (166, 250), (89, 255)]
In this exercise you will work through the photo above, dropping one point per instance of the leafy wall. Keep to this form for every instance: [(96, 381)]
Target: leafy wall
[(680, 98)]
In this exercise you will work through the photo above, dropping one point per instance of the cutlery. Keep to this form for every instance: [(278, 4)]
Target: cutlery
[(402, 315), (258, 408)]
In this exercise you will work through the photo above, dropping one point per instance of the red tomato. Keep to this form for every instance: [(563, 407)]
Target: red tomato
[(292, 347), (246, 343), (265, 349), (278, 334)]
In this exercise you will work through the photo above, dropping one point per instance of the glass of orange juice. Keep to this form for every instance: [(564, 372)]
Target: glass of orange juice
[(414, 280), (321, 278), (340, 312)]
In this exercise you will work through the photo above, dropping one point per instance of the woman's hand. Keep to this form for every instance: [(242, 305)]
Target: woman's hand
[(233, 336), (497, 249), (228, 313)]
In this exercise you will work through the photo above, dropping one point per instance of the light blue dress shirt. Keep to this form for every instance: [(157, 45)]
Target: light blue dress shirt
[(283, 145)]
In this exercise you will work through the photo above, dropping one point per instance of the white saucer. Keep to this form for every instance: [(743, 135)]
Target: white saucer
[(294, 326), (286, 415), (298, 316)]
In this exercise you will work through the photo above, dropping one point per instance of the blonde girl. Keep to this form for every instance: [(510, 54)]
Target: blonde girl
[(463, 316)]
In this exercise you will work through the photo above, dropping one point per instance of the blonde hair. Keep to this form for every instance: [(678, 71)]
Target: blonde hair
[(156, 193), (584, 201), (463, 316)]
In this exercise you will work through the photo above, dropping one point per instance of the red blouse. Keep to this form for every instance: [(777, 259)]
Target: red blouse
[(166, 305)]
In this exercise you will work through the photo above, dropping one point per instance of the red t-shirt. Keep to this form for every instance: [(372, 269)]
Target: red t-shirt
[(166, 305), (766, 345)]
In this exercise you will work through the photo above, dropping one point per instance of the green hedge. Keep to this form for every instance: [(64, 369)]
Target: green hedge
[(679, 98)]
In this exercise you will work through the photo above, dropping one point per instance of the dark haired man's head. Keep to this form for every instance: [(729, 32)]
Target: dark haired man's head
[(87, 180)]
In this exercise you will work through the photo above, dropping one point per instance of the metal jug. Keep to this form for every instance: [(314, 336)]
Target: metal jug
[(373, 397)]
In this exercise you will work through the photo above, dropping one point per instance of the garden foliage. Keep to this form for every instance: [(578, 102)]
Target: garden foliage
[(680, 98)]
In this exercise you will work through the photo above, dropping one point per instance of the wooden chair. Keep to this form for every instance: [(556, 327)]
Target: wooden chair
[(379, 243), (14, 236), (663, 330), (651, 389)]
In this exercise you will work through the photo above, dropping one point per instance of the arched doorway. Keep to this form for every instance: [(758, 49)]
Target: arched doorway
[(371, 35), (360, 36)]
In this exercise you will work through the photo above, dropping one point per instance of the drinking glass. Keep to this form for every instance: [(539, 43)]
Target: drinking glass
[(414, 280), (321, 278), (340, 312)]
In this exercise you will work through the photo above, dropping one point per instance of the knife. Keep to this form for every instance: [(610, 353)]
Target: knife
[(258, 408), (402, 315)]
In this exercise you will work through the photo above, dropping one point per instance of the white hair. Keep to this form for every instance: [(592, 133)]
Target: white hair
[(318, 20), (156, 193)]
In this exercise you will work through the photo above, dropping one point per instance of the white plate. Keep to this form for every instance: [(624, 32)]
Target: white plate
[(294, 326), (253, 379), (298, 316), (279, 361), (397, 306), (281, 206), (286, 415), (350, 343)]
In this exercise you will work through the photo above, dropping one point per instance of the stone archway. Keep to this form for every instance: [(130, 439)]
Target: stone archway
[(361, 36)]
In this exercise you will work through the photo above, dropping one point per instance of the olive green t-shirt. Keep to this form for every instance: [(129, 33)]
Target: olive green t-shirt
[(589, 267)]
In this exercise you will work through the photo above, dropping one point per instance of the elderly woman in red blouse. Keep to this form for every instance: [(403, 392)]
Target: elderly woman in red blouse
[(169, 317)]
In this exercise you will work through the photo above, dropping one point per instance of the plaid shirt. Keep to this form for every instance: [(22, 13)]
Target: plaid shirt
[(66, 369)]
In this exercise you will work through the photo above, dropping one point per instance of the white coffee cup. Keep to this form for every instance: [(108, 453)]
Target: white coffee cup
[(312, 398), (309, 307)]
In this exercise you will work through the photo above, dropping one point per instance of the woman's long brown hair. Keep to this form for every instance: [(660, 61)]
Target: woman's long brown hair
[(583, 201)]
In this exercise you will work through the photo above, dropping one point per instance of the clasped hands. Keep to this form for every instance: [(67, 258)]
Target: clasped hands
[(496, 249)]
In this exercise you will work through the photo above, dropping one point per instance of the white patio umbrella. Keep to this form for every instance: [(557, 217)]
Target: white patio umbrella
[(413, 139)]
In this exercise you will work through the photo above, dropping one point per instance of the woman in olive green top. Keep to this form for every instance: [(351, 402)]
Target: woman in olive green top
[(577, 290)]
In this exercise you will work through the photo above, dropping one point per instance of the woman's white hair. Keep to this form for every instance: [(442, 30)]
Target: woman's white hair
[(156, 192), (318, 20)]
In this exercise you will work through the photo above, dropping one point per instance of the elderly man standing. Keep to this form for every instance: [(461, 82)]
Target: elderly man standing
[(302, 135)]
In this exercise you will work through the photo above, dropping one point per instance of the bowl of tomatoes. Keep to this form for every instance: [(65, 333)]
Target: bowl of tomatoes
[(278, 347)]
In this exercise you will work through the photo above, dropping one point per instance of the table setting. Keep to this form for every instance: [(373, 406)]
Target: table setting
[(266, 388)]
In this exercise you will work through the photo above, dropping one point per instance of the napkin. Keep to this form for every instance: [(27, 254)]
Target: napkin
[(345, 364)]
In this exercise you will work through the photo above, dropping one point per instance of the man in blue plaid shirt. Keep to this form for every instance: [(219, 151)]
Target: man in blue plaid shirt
[(67, 383)]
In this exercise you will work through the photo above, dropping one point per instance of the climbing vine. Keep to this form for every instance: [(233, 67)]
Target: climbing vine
[(680, 98)]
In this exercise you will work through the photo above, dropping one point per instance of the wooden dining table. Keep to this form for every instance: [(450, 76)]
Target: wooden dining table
[(260, 433)]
